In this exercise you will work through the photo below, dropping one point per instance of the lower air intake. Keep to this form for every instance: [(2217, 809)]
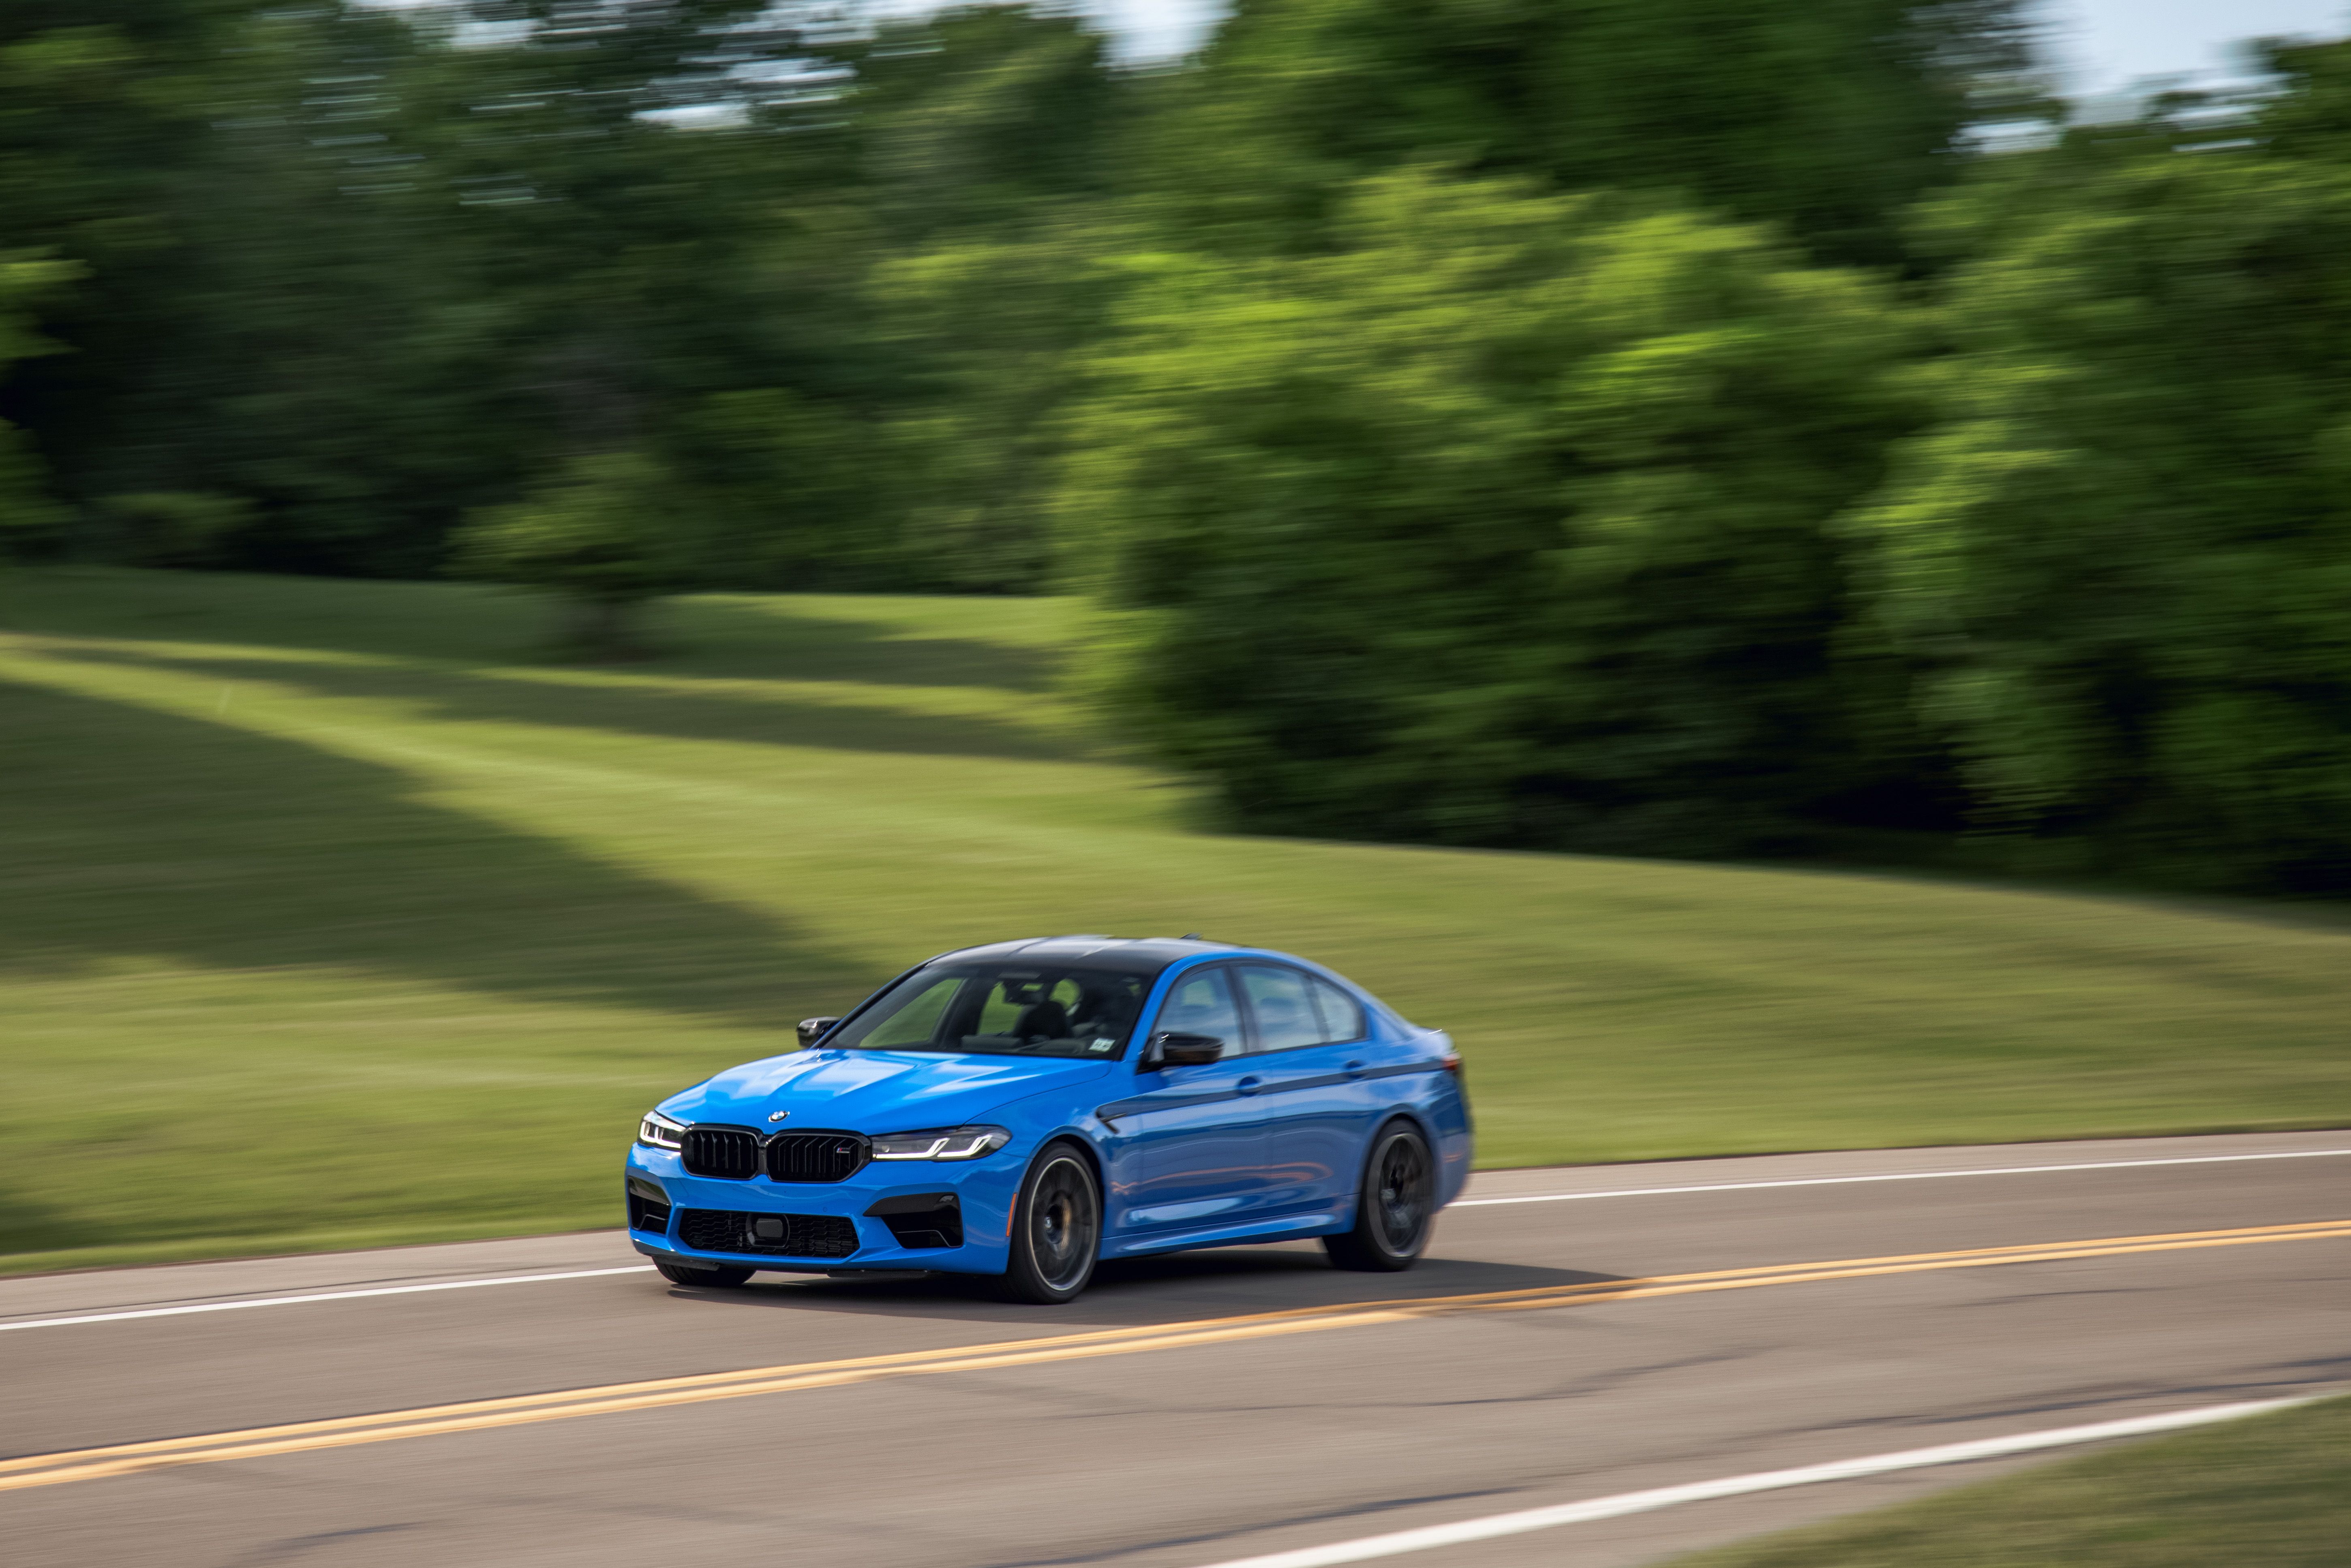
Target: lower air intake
[(647, 1213), (767, 1235), (925, 1219)]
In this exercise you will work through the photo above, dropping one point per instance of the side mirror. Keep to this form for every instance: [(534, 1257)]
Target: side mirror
[(811, 1027), (1174, 1049)]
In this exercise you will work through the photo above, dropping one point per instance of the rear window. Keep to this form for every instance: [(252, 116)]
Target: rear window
[(1002, 1010), (1294, 1008), (1342, 1015)]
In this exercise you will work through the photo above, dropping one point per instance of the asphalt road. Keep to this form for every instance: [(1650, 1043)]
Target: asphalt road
[(1199, 1445)]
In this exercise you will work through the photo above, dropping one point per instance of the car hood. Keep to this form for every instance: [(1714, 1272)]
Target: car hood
[(872, 1090)]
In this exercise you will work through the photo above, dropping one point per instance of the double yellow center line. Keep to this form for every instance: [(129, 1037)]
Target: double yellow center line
[(478, 1415)]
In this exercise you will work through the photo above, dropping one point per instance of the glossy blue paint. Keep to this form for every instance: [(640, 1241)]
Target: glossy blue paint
[(1261, 1147)]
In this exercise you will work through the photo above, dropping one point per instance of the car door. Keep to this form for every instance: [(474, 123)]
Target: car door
[(1317, 1100), (1195, 1135)]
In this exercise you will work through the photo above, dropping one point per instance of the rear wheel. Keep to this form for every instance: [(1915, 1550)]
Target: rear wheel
[(1393, 1210), (719, 1276), (1056, 1229)]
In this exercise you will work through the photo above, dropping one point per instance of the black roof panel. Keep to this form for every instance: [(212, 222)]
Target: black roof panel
[(1151, 954)]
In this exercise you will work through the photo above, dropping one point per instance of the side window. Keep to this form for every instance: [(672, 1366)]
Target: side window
[(1282, 1006), (1201, 1002), (1342, 1015)]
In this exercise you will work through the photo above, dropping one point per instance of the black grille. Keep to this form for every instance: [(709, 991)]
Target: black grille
[(814, 1156), (773, 1235), (720, 1152), (647, 1214)]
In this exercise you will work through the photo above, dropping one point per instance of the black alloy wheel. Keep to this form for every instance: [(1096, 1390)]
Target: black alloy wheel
[(717, 1276), (1056, 1229), (1394, 1207)]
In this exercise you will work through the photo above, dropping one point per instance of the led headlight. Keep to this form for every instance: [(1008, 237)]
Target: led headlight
[(945, 1143), (659, 1131)]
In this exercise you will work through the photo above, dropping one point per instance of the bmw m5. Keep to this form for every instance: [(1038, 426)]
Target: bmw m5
[(1025, 1109)]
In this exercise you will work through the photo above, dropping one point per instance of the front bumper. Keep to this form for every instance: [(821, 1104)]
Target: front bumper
[(921, 1195)]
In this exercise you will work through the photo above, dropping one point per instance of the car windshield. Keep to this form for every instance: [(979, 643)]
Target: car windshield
[(1001, 1010)]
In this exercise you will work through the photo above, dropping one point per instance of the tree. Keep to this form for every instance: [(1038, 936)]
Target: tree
[(1829, 116), (101, 112), (990, 330), (2118, 561), (604, 537), (27, 512), (976, 116), (356, 276), (2310, 116), (985, 140), (330, 367), (1502, 524)]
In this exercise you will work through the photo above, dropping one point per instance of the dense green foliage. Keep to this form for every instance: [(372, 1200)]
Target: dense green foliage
[(25, 509), (602, 536), (1498, 524), (2118, 560), (1828, 117), (366, 275), (1653, 424), (1581, 530)]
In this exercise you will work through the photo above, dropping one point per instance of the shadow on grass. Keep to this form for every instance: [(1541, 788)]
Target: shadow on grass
[(765, 640), (466, 697), (29, 1226), (136, 834), (758, 638)]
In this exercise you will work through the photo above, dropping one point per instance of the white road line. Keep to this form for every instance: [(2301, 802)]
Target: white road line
[(1531, 1519), (1902, 1175), (320, 1296)]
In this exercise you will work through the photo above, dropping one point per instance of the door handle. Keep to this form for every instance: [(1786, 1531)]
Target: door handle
[(1354, 1069), (1248, 1085)]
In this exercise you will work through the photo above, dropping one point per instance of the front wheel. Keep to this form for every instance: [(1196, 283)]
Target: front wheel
[(1056, 1229), (1393, 1210), (719, 1276)]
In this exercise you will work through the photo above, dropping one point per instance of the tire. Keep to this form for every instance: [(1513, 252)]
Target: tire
[(717, 1276), (1056, 1229), (1394, 1207)]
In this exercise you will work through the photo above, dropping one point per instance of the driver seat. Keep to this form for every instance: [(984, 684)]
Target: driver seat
[(1042, 1021)]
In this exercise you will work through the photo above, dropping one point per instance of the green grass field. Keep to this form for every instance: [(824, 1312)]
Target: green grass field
[(2274, 1491), (329, 916)]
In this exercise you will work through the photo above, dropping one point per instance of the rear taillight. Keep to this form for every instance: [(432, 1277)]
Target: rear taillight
[(1451, 1062)]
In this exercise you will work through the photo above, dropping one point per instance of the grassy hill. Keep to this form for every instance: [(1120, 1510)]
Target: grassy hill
[(330, 917)]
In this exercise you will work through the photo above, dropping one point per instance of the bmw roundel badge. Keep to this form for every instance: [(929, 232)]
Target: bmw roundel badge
[(777, 1115)]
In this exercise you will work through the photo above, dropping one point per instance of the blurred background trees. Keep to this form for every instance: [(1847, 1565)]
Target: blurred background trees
[(1828, 118), (1500, 522), (27, 515), (1668, 427), (2116, 561)]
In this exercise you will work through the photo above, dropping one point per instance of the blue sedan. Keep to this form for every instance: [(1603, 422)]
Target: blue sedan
[(1025, 1109)]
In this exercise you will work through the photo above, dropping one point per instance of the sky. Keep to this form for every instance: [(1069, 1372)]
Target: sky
[(2106, 44), (2103, 45)]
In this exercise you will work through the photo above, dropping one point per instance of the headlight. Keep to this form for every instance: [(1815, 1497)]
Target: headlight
[(946, 1144), (659, 1131)]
